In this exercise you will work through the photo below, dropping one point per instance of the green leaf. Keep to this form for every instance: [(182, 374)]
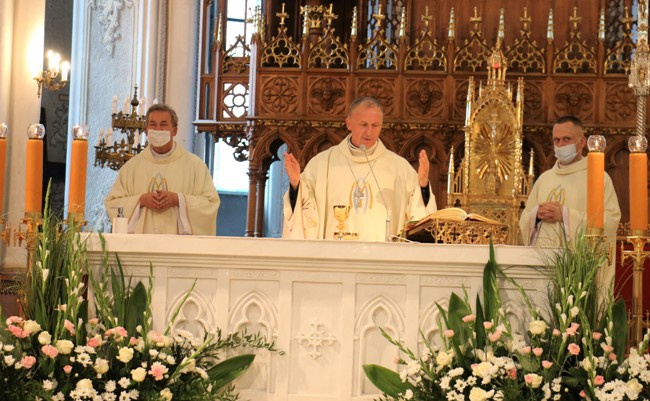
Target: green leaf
[(225, 372), (491, 296), (619, 330), (135, 308), (386, 380), (481, 338)]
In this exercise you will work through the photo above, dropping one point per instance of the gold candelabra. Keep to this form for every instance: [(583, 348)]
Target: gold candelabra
[(639, 81), (114, 152), (55, 76)]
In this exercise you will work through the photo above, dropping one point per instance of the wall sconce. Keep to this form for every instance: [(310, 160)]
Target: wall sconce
[(55, 76)]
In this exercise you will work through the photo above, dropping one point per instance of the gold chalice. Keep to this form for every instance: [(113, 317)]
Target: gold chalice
[(341, 214)]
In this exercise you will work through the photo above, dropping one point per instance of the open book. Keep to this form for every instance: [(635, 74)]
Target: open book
[(454, 213)]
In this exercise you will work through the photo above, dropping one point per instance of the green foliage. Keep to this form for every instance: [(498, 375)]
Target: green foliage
[(386, 380)]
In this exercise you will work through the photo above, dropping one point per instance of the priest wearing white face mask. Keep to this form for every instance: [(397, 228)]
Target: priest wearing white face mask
[(165, 189), (557, 204)]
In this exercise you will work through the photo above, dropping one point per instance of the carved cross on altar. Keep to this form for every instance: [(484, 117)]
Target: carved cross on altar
[(476, 19), (282, 15), (426, 18), (526, 20), (575, 19), (329, 16)]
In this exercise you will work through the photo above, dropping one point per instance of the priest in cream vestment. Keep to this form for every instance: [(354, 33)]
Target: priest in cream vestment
[(348, 174), (165, 189), (556, 208)]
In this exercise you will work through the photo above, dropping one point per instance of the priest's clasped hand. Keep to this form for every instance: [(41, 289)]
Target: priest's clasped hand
[(159, 200), (550, 211)]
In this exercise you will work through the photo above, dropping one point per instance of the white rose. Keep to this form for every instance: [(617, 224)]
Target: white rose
[(537, 327), (44, 338), (478, 394), (101, 366), (84, 384), (125, 354), (484, 369), (166, 394), (408, 394), (443, 358), (138, 374), (64, 346), (633, 388), (32, 326)]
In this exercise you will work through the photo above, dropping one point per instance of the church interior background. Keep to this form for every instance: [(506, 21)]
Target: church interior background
[(253, 78)]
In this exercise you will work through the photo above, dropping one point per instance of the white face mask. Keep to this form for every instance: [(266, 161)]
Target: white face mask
[(157, 138), (566, 154)]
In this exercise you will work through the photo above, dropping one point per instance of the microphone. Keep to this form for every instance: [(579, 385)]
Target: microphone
[(372, 171)]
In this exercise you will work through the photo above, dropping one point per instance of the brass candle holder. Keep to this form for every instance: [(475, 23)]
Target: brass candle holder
[(638, 254), (27, 230)]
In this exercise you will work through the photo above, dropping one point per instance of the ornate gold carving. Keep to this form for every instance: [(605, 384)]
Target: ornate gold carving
[(329, 52), (473, 55), (426, 54), (575, 99), (237, 58), (378, 53), (460, 232), (524, 55), (495, 153), (618, 59), (576, 56), (621, 102), (327, 95), (381, 89), (424, 98), (281, 51), (279, 94)]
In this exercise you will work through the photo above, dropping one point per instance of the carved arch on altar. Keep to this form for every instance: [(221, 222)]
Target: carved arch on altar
[(204, 315), (240, 316), (429, 321)]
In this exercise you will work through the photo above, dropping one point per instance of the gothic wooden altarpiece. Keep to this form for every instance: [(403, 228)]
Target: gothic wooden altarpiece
[(308, 60)]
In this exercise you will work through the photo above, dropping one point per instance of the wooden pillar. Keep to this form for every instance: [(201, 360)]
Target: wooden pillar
[(252, 198), (261, 191)]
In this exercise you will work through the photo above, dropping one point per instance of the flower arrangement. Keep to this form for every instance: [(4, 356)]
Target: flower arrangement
[(57, 353), (573, 350)]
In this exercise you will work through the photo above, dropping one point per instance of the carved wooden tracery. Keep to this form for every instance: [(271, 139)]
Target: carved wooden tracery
[(308, 61)]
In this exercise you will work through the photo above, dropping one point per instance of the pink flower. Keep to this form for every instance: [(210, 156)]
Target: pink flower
[(93, 342), (50, 351), (67, 369), (494, 337), (93, 321), (583, 394), (596, 335), (121, 331), (512, 373), (14, 320), (449, 333), (556, 332), (599, 380), (612, 356), (469, 318), (525, 350), (396, 359), (28, 361), (69, 326), (572, 329), (488, 325), (574, 349), (158, 370), (133, 341), (538, 351), (18, 332), (547, 364)]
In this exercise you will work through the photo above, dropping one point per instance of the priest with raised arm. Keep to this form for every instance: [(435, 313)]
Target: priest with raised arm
[(382, 189), (165, 189)]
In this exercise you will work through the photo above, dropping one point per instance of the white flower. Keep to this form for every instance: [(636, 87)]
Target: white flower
[(407, 395), (443, 358), (574, 311), (125, 354), (537, 327), (64, 346), (633, 388), (85, 384), (484, 369), (8, 348), (110, 386), (9, 360), (124, 382), (456, 372), (32, 326), (84, 359), (533, 380), (58, 397), (48, 385), (171, 360), (478, 394), (101, 366), (138, 374), (166, 394)]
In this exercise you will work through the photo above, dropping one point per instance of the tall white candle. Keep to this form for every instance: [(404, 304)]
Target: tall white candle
[(114, 110), (126, 106)]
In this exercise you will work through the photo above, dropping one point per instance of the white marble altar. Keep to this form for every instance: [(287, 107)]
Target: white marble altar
[(321, 301)]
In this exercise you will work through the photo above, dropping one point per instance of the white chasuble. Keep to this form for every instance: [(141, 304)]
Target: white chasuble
[(180, 172), (341, 176)]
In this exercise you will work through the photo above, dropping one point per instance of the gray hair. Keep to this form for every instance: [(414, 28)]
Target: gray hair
[(165, 108), (366, 101)]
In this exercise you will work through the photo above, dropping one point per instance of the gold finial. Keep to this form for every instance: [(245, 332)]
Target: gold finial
[(402, 23), (353, 29), (282, 15), (304, 10), (426, 17), (549, 29), (526, 20), (627, 20), (575, 19), (502, 27), (530, 163), (452, 24), (476, 19), (601, 25), (330, 16), (379, 17), (219, 34)]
